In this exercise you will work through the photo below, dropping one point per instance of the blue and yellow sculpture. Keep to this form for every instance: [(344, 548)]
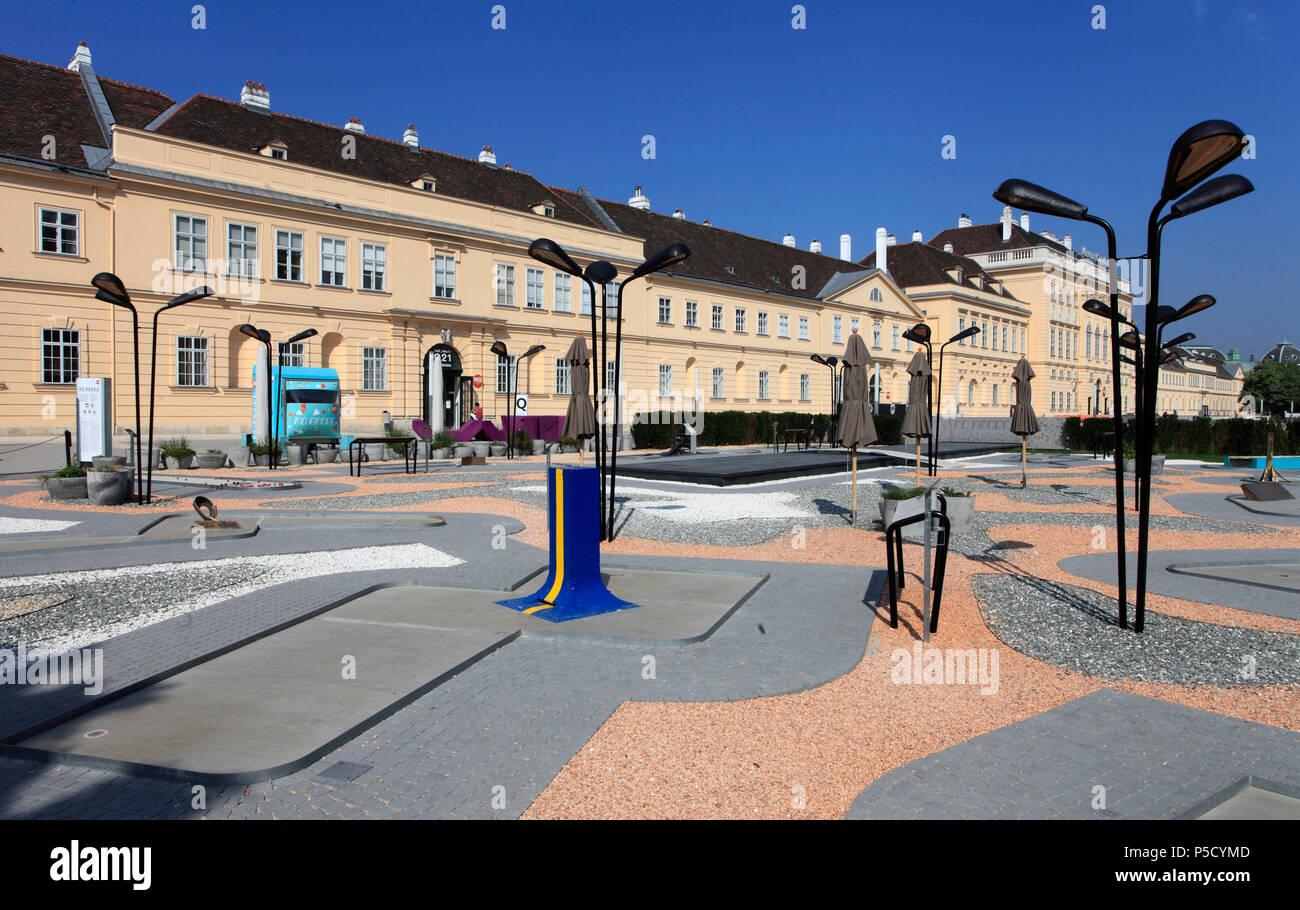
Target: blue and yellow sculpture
[(573, 587)]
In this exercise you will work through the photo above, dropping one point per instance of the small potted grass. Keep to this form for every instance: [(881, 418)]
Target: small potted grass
[(900, 502), (211, 459), (177, 452), (568, 444), (67, 482), (442, 445)]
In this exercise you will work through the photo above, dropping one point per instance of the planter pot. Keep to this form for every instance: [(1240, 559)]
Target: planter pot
[(326, 455), (240, 456), (497, 450), (440, 453), (66, 487), (108, 488), (462, 451), (182, 463), (394, 454), (295, 454), (1157, 465), (375, 451), (568, 450), (892, 510), (262, 461), (210, 461), (481, 449), (108, 461), (961, 513), (539, 447)]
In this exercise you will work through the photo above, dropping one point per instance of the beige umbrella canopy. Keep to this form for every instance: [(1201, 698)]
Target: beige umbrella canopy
[(856, 426), (1024, 422), (580, 419), (916, 423)]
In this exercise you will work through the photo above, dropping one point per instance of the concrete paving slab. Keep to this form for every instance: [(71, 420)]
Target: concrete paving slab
[(1252, 803), (1279, 576)]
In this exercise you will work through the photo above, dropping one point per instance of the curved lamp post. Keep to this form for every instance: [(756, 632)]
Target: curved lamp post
[(601, 273), (264, 337), (831, 363), (920, 334), (964, 333), (110, 289), (178, 300), (499, 348), (552, 254)]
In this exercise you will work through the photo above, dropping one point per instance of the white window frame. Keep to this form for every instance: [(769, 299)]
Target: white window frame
[(803, 328), (59, 227), (374, 369), (665, 311), (286, 269), (444, 276), (198, 349), (193, 240), (374, 267), (291, 355), (692, 314), (563, 290), (506, 368), (665, 380), (837, 330), (717, 317), (585, 304), (896, 335), (241, 252), (563, 376), (534, 289), (740, 320), (764, 385), (719, 382), (805, 387), (505, 275), (59, 348), (762, 322), (782, 326), (337, 262)]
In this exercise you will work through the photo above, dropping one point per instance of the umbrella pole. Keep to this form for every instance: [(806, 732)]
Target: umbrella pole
[(1024, 476), (853, 511), (918, 461)]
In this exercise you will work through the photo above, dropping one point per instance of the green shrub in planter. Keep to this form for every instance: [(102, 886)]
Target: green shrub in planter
[(398, 447), (568, 444), (66, 483), (522, 442), (72, 470), (894, 493), (443, 441), (178, 447)]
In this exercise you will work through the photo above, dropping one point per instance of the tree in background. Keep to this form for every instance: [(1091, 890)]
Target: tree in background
[(1275, 384)]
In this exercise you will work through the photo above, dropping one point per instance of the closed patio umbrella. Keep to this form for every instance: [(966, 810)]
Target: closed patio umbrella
[(916, 423), (856, 426), (1023, 421), (580, 419)]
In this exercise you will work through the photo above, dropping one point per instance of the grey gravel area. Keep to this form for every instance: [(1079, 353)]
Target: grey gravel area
[(1077, 629)]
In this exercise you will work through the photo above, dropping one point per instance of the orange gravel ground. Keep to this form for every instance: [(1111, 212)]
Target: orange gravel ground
[(757, 758)]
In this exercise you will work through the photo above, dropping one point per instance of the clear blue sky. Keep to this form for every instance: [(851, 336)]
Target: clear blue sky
[(765, 129)]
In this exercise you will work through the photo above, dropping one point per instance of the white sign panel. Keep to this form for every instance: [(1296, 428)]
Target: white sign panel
[(521, 405), (92, 418)]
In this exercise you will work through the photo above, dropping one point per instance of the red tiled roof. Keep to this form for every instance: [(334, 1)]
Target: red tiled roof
[(42, 100), (987, 238), (918, 265), (727, 256), (226, 124)]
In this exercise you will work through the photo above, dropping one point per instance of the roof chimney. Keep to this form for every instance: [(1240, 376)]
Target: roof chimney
[(679, 214), (846, 246), (1069, 244), (891, 240), (354, 125), (964, 220), (787, 240), (80, 58), (411, 138), (707, 223), (947, 247), (815, 246), (916, 236), (1024, 222), (639, 201), (882, 246), (1006, 224), (487, 156), (1049, 235), (255, 96)]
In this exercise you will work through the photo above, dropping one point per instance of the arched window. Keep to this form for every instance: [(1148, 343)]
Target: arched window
[(970, 393), (876, 296), (995, 393)]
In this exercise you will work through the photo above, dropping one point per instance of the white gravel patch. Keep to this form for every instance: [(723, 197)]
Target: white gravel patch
[(32, 525), (273, 570)]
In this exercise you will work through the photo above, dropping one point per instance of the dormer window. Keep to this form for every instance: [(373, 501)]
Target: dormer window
[(545, 209), (425, 182), (275, 149)]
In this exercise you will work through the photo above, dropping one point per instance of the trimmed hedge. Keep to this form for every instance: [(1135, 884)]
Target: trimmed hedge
[(737, 428), (1196, 435)]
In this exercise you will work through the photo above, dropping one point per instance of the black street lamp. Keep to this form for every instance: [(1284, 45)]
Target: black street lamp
[(499, 348), (178, 300), (920, 334), (964, 333), (831, 363), (264, 337), (601, 273), (110, 289), (305, 333)]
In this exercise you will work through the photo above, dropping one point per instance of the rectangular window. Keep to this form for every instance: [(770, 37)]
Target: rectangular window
[(875, 334), (717, 316), (586, 300), (191, 243), (783, 326), (665, 380), (837, 330), (692, 313), (505, 370), (288, 255), (740, 319), (563, 376), (805, 387), (762, 322), (444, 276), (60, 355), (665, 310), (961, 327), (1004, 338), (293, 355), (803, 328), (374, 369), (60, 232), (505, 284), (333, 262), (853, 326), (984, 334), (897, 333), (609, 374), (611, 298), (563, 293), (374, 267), (763, 389), (191, 361), (534, 289), (241, 250), (719, 383)]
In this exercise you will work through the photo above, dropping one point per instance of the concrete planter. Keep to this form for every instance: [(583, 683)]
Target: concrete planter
[(464, 450), (262, 461), (1157, 465), (375, 451), (210, 461), (539, 447), (326, 454), (296, 454), (66, 487), (497, 449), (108, 461), (182, 463), (394, 454), (108, 488), (891, 510), (481, 449), (240, 456), (961, 513), (440, 453)]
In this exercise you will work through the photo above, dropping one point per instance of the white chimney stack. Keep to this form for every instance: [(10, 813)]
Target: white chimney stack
[(639, 200), (1006, 224), (679, 215), (882, 245), (1024, 222), (1049, 235), (254, 95), (846, 246), (963, 221), (1069, 244), (354, 125), (487, 156), (891, 240), (916, 236), (80, 58), (947, 247), (815, 246), (411, 138), (787, 240)]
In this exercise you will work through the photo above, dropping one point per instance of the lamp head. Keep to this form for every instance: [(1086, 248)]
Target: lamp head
[(1195, 305), (1169, 357), (499, 348), (535, 349), (1181, 339), (818, 358), (601, 272), (551, 253), (1097, 308), (1033, 198), (832, 362), (189, 297), (1199, 152), (1211, 193), (110, 288), (668, 256), (964, 333), (920, 333), (1130, 340), (305, 333)]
